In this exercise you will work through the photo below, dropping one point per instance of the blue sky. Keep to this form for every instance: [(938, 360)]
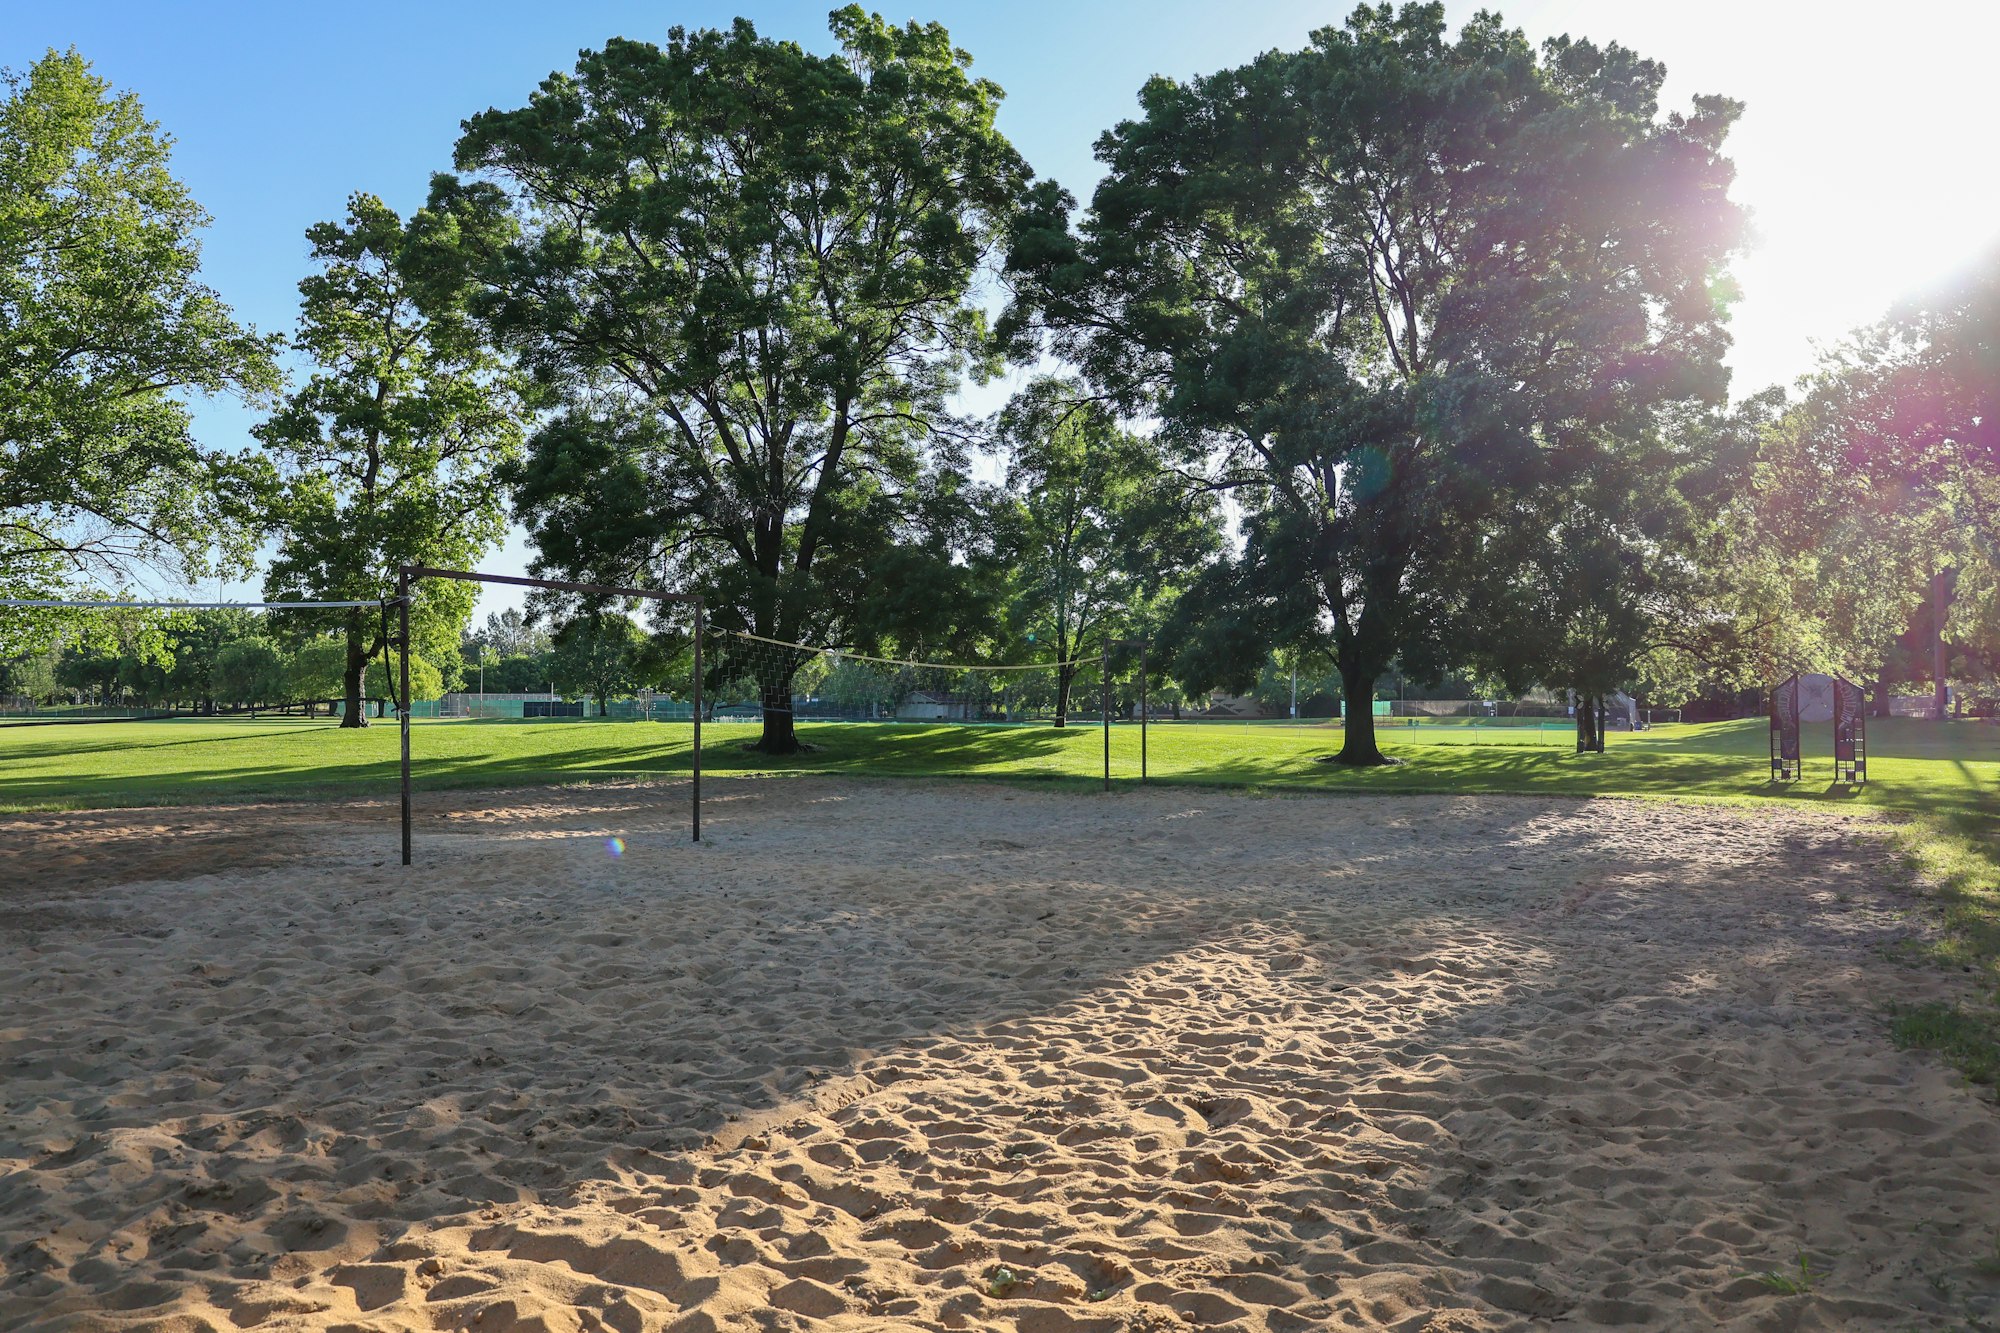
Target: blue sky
[(1855, 153)]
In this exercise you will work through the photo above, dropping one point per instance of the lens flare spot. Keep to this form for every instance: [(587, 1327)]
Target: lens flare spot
[(616, 846)]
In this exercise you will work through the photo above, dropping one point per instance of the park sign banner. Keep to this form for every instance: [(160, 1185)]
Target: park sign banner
[(1850, 733), (1785, 730)]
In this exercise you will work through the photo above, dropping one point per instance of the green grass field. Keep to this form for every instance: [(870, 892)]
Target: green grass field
[(1917, 767), (1941, 783)]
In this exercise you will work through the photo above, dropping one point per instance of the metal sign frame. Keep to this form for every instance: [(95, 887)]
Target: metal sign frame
[(1785, 761), (1850, 733)]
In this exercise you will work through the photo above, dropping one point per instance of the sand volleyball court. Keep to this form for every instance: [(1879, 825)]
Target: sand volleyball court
[(942, 1056)]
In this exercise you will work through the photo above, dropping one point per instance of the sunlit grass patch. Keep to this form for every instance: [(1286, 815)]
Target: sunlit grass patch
[(1955, 858), (1968, 1038)]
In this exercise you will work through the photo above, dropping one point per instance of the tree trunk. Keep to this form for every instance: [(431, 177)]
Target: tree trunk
[(780, 737), (1065, 676), (352, 713), (1357, 747)]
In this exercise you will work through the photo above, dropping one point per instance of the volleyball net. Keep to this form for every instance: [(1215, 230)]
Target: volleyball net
[(1046, 719), (752, 675)]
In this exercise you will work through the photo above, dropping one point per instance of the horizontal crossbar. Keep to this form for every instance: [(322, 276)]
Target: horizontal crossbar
[(844, 655), (182, 606), (557, 585)]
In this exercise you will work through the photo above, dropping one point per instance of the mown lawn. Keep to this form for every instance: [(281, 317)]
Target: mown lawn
[(1917, 767), (1940, 783)]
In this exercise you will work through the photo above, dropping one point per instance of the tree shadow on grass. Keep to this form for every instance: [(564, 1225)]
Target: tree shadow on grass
[(1720, 766), (67, 749)]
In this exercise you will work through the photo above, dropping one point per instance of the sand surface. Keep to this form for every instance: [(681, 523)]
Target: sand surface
[(971, 1057)]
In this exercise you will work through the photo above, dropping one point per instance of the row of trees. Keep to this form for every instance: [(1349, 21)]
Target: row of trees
[(1399, 352), (1435, 314), (201, 661), (205, 661), (1878, 495)]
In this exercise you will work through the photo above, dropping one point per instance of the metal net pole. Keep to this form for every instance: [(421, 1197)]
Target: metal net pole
[(403, 643), (697, 720)]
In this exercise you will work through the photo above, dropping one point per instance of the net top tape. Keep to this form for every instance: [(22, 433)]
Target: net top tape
[(179, 606), (902, 661)]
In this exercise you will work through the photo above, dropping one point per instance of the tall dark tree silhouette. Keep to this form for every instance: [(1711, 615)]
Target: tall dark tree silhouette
[(1618, 568), (1370, 287)]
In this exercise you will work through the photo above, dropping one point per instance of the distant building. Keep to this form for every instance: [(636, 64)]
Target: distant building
[(469, 703), (931, 706)]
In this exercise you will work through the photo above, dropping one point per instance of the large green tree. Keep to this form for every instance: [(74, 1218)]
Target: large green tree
[(602, 654), (1626, 569), (90, 670), (31, 676), (748, 268), (1097, 543), (1587, 572), (195, 639), (428, 680), (105, 330), (1372, 284), (315, 671), (391, 451), (1880, 488), (1852, 540), (249, 671)]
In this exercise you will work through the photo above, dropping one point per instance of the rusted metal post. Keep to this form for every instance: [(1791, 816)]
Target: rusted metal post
[(409, 572), (1143, 718), (697, 720), (1104, 680), (403, 643)]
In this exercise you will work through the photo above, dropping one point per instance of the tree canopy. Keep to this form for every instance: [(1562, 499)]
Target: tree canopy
[(106, 329), (1879, 489), (1375, 285), (1398, 352), (603, 654), (1097, 539), (391, 450), (747, 270)]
